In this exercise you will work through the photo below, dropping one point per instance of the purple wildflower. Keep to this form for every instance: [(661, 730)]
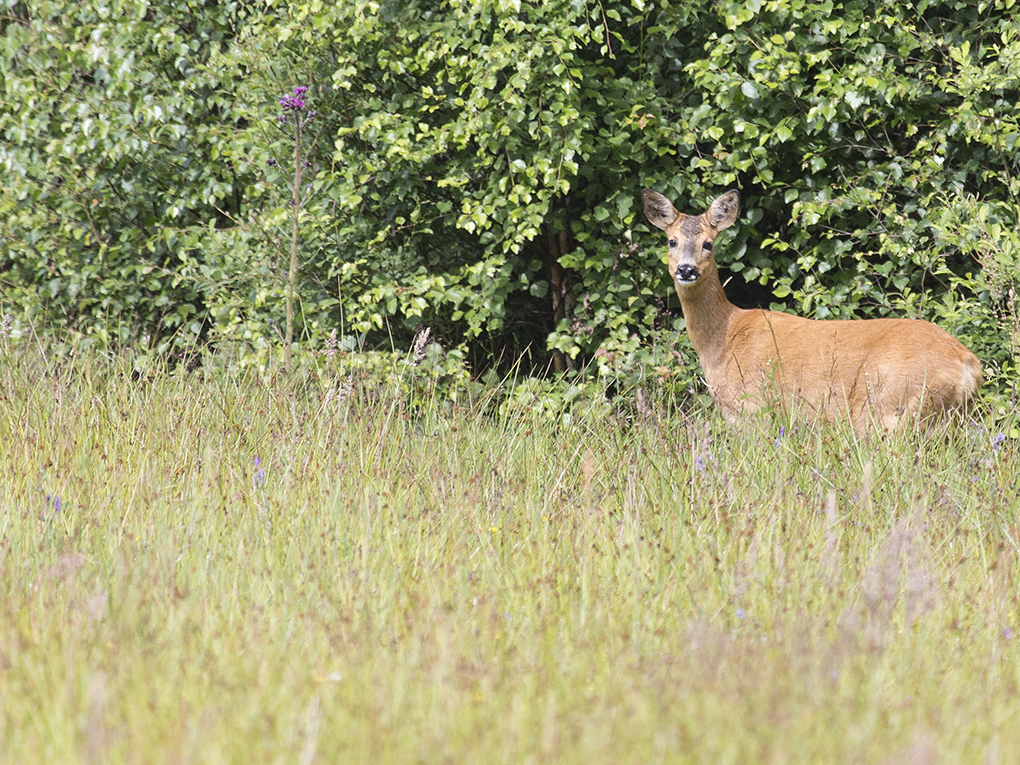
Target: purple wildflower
[(260, 474), (292, 103), (997, 441)]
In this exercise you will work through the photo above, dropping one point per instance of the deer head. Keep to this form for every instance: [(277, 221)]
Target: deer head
[(691, 236)]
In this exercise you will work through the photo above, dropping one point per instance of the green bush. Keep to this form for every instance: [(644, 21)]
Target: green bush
[(476, 168), (118, 166)]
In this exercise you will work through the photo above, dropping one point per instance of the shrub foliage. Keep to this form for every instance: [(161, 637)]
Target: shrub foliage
[(476, 167)]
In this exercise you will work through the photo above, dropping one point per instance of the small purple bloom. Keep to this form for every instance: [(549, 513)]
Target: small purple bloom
[(292, 103), (300, 90), (271, 162), (740, 613), (997, 441), (1007, 633), (260, 474), (56, 503)]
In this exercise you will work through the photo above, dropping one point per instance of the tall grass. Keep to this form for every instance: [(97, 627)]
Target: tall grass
[(214, 568)]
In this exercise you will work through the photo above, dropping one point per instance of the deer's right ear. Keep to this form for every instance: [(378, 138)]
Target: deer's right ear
[(659, 210)]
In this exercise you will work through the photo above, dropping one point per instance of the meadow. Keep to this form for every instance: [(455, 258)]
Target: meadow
[(214, 567)]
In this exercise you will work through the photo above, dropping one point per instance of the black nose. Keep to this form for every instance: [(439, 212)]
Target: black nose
[(686, 273)]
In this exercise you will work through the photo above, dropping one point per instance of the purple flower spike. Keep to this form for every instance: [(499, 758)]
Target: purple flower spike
[(300, 90), (292, 103)]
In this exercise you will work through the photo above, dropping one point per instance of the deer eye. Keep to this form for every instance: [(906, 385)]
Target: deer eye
[(672, 242), (707, 246)]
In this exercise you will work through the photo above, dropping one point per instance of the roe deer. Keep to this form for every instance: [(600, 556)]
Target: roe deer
[(870, 370)]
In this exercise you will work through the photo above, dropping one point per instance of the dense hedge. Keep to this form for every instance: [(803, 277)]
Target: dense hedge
[(476, 167)]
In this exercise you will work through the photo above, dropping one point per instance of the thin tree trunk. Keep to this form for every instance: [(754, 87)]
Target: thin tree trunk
[(559, 244)]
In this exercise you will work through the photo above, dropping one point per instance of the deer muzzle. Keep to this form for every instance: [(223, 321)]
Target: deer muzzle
[(686, 273)]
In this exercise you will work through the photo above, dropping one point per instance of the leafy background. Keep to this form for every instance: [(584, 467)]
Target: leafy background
[(475, 167)]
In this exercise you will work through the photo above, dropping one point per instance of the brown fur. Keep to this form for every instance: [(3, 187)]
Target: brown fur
[(874, 370)]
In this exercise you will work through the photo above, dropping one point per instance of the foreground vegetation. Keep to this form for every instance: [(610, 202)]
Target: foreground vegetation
[(212, 567)]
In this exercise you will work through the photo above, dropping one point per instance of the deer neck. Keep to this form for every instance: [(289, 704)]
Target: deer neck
[(707, 312)]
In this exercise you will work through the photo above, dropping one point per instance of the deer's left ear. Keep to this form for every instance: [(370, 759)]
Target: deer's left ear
[(723, 211)]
